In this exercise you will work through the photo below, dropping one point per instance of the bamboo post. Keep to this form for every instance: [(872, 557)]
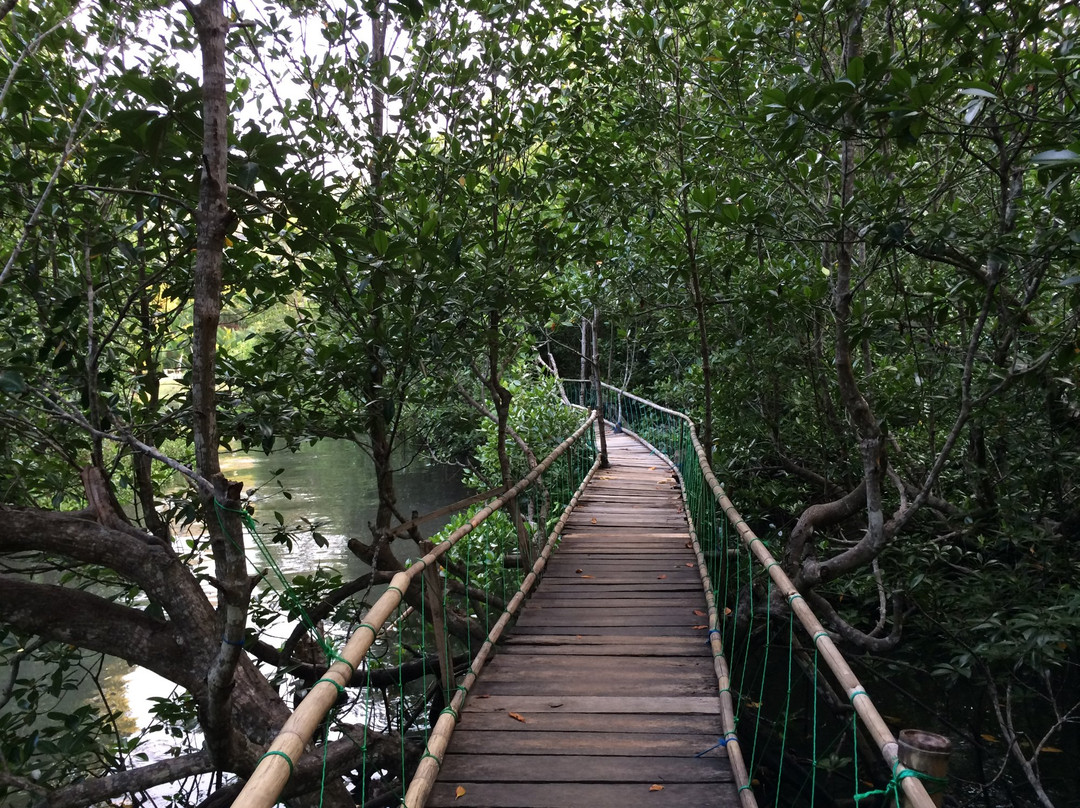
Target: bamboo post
[(928, 753)]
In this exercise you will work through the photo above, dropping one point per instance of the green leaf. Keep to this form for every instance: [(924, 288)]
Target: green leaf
[(11, 382)]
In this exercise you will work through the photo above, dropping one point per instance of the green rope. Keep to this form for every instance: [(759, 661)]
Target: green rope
[(787, 701), (814, 736), (287, 592), (281, 755), (337, 685), (429, 755), (892, 788)]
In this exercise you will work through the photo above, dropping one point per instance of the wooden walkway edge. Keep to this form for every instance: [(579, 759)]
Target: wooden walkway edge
[(604, 694)]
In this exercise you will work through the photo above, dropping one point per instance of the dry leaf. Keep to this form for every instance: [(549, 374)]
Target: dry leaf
[(727, 610), (588, 576), (656, 787), (698, 628), (660, 577), (652, 468), (689, 563), (990, 738), (1052, 749), (459, 792), (593, 520), (699, 613), (517, 717), (484, 696), (688, 546), (579, 570)]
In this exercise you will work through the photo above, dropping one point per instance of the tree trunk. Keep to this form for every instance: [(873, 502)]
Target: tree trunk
[(221, 505)]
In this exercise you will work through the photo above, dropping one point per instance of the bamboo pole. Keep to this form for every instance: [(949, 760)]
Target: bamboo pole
[(274, 768), (914, 791)]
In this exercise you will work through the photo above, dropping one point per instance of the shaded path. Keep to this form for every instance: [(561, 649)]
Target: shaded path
[(608, 666)]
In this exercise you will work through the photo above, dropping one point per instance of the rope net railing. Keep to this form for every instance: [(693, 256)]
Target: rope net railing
[(377, 720), (785, 675)]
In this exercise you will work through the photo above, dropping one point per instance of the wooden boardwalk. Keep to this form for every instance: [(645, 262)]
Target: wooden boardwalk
[(605, 692)]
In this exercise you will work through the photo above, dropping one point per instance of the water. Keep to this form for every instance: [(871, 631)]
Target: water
[(331, 485), (330, 488)]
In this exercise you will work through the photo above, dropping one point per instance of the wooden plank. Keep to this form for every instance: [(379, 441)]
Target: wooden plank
[(599, 640), (515, 664), (562, 688), (582, 769), (634, 705), (611, 723), (580, 795), (588, 617), (540, 742)]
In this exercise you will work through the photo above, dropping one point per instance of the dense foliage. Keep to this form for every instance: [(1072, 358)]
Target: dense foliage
[(843, 235)]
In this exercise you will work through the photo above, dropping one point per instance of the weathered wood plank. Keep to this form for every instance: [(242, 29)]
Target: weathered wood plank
[(540, 742), (583, 769), (581, 795)]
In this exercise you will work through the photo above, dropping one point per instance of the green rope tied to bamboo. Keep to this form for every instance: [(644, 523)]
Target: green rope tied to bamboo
[(452, 712), (892, 788), (337, 685), (280, 754), (427, 754)]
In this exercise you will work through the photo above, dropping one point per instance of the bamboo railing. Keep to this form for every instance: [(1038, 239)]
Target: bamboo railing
[(275, 767), (913, 789)]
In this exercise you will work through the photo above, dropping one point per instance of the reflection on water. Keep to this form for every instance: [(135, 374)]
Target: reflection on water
[(331, 485)]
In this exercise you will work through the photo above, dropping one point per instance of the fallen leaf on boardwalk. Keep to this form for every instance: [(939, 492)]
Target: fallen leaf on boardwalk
[(652, 468), (517, 717), (688, 546), (689, 563), (699, 628), (661, 482), (656, 787), (579, 570), (699, 613), (459, 792), (577, 637), (660, 577), (593, 520), (484, 696), (588, 576)]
